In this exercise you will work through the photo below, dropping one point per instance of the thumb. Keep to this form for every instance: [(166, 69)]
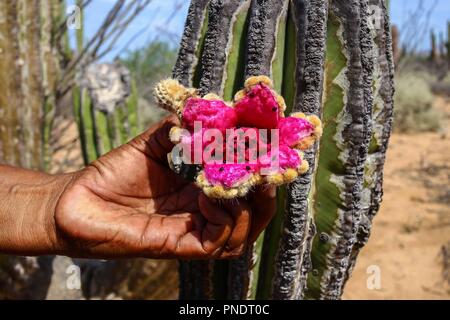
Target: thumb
[(155, 142)]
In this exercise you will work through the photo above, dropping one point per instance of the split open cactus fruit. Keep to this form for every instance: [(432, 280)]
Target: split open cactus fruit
[(241, 144)]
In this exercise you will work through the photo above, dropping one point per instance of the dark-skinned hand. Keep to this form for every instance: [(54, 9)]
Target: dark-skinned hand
[(129, 203)]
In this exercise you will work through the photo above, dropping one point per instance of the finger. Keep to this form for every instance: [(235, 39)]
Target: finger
[(218, 226), (155, 142), (241, 213), (264, 206), (176, 236), (91, 227), (191, 236)]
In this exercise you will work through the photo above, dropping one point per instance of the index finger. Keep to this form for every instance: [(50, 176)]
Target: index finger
[(155, 142)]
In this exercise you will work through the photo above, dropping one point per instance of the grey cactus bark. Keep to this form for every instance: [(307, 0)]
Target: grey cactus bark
[(382, 116), (192, 42), (293, 255), (264, 52), (329, 58), (352, 133)]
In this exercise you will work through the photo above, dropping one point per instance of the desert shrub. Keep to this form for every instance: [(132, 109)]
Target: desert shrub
[(446, 80), (148, 65), (414, 105), (441, 87)]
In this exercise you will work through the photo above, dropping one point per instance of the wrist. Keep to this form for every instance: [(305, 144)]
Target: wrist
[(56, 244), (28, 200)]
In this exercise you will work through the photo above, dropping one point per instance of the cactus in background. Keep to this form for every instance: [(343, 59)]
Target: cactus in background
[(34, 53), (396, 47), (448, 41), (434, 53), (328, 58), (105, 105), (38, 68), (29, 72), (442, 45), (30, 69)]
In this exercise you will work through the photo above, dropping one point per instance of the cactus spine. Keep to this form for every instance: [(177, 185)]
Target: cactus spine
[(327, 58)]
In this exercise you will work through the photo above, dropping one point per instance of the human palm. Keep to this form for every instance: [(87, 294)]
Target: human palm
[(129, 203)]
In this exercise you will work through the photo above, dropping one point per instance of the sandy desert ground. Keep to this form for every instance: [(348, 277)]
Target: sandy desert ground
[(413, 224)]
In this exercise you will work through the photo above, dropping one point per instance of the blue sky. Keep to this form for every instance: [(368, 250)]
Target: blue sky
[(433, 14), (154, 21)]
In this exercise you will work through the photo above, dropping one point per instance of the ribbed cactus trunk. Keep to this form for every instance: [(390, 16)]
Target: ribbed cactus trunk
[(434, 53), (105, 108), (105, 103), (329, 58), (29, 72), (357, 106), (396, 46), (448, 42), (29, 64)]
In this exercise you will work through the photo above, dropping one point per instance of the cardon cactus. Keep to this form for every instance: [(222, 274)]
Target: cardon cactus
[(104, 104), (30, 70), (332, 59), (448, 41), (105, 107), (434, 53), (29, 73)]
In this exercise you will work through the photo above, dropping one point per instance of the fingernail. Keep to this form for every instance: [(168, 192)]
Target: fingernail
[(214, 201), (217, 252), (272, 192), (239, 251)]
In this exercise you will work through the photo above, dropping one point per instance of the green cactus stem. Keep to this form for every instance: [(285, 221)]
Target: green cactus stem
[(106, 111), (264, 55), (89, 142), (293, 254), (434, 53), (382, 115), (328, 58), (195, 276), (448, 41)]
